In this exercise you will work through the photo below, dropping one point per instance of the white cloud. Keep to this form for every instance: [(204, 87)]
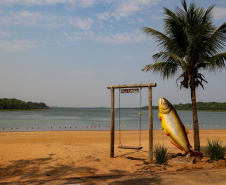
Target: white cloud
[(101, 26), (6, 33), (123, 9), (68, 3), (77, 36), (120, 38), (103, 16), (72, 37), (85, 23), (81, 3), (33, 2), (24, 44), (129, 7), (219, 13), (126, 8), (17, 45), (27, 18)]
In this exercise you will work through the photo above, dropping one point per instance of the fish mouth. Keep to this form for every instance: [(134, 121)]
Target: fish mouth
[(164, 105)]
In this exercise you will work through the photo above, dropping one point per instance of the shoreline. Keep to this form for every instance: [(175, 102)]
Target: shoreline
[(19, 110), (160, 129), (213, 129), (53, 108)]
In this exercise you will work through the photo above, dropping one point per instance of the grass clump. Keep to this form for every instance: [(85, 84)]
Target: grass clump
[(161, 154), (215, 149)]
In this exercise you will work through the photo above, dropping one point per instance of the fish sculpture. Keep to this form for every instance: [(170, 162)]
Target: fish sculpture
[(172, 126)]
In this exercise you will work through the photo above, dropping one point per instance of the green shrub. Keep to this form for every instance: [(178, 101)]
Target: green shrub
[(161, 154), (215, 149)]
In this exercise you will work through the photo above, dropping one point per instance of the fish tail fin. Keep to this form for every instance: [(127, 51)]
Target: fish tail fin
[(196, 153)]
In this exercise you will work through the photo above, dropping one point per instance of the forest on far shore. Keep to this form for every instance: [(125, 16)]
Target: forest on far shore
[(15, 104), (201, 106)]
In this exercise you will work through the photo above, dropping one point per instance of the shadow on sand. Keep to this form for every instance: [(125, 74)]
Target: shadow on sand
[(40, 171), (40, 168)]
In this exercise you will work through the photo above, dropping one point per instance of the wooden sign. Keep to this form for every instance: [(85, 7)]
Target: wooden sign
[(130, 91)]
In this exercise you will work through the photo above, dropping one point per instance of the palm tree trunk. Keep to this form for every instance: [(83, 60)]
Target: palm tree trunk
[(195, 119)]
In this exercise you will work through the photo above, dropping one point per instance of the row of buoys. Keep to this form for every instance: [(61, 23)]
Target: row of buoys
[(188, 126), (211, 126), (92, 126), (32, 128), (61, 127), (12, 128), (154, 125), (64, 127), (97, 126)]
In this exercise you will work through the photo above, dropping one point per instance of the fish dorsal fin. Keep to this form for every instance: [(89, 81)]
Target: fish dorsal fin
[(165, 131), (186, 130), (160, 117)]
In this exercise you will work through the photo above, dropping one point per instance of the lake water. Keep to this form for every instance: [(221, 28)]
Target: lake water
[(97, 119)]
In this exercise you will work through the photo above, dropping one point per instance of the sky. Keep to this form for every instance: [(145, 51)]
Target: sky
[(66, 52)]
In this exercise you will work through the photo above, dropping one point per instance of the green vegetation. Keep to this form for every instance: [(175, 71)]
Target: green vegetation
[(161, 154), (153, 107), (201, 106), (14, 104), (215, 149)]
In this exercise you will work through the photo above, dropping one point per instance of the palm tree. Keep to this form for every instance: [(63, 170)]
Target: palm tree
[(189, 44)]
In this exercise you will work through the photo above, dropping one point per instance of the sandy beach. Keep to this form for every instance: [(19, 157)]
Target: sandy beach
[(62, 154)]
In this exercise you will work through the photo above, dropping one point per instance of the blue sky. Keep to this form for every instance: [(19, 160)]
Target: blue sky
[(66, 52)]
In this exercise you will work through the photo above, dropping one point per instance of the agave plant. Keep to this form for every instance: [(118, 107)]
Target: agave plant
[(215, 149), (161, 154)]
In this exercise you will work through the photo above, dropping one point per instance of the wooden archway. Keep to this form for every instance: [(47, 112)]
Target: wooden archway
[(113, 87)]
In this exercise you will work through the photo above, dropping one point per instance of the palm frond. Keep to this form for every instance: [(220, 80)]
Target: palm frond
[(185, 80), (165, 69), (184, 4), (173, 27), (199, 78), (216, 62), (171, 58), (160, 38), (218, 38)]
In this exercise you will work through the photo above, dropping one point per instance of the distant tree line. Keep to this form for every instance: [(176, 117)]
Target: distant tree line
[(201, 106), (205, 106), (13, 103)]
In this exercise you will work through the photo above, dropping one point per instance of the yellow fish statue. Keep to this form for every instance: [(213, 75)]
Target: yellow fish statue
[(172, 126)]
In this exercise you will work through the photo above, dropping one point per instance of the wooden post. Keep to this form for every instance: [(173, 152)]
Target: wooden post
[(112, 123), (150, 124)]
